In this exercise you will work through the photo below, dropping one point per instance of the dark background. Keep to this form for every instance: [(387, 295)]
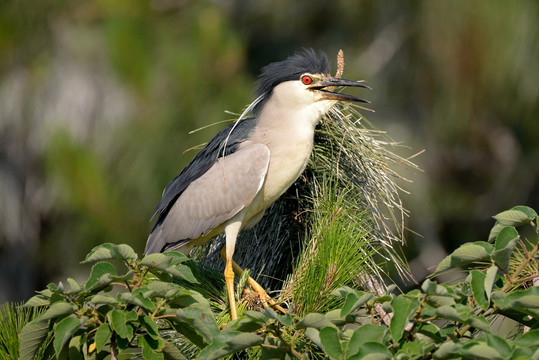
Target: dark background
[(97, 99)]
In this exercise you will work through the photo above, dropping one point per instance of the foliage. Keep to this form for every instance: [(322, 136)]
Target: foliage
[(129, 313)]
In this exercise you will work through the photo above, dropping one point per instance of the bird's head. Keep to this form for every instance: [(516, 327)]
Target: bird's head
[(303, 80)]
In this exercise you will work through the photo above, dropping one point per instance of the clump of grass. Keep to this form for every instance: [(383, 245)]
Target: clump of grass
[(335, 253)]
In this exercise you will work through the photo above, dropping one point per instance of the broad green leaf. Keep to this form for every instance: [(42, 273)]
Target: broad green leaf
[(119, 319), (478, 288), (32, 336), (415, 349), (75, 286), (110, 251), (447, 350), (329, 336), (465, 254), (371, 351), (102, 336), (461, 313), (315, 320), (403, 309), (490, 278), (314, 335), (514, 217), (519, 303), (249, 322), (170, 262), (171, 352), (101, 275), (64, 331), (353, 301), (228, 343), (150, 325), (531, 338), (103, 299), (137, 298), (479, 351), (37, 300), (499, 344), (195, 323), (58, 309), (364, 334), (495, 231), (505, 243), (151, 348), (74, 348)]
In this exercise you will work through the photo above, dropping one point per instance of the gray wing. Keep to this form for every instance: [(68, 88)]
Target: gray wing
[(202, 163), (224, 190)]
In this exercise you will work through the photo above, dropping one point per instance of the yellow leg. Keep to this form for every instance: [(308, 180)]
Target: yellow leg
[(229, 278), (262, 294)]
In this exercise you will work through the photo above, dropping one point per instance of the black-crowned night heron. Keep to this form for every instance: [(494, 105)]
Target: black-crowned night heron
[(249, 164)]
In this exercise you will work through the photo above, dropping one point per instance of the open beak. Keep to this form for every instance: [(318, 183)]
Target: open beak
[(331, 83)]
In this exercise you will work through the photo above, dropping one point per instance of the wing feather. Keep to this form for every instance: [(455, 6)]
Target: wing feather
[(220, 193)]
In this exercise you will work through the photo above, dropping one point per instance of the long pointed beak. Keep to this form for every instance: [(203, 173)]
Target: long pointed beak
[(332, 83)]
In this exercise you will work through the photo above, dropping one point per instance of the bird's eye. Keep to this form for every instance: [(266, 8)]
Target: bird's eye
[(306, 79)]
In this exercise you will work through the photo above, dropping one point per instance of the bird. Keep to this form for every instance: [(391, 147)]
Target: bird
[(249, 164)]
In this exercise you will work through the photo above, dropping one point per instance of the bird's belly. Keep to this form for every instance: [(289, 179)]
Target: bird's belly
[(284, 169)]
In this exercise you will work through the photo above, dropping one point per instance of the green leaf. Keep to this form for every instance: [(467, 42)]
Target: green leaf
[(171, 352), (150, 325), (196, 324), (505, 243), (170, 262), (64, 331), (403, 309), (228, 343), (313, 334), (465, 254), (102, 336), (249, 322), (490, 278), (137, 298), (447, 350), (499, 344), (475, 350), (103, 299), (416, 349), (462, 313), (353, 301), (101, 275), (74, 348), (315, 320), (520, 303), (531, 339), (75, 286), (518, 215), (32, 336), (110, 251), (371, 351), (58, 309), (329, 337), (119, 319), (495, 231), (364, 334), (37, 300), (151, 348), (478, 288)]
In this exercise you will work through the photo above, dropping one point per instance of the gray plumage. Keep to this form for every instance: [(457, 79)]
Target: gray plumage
[(201, 164)]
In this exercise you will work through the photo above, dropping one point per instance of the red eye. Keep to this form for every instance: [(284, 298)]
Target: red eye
[(306, 79)]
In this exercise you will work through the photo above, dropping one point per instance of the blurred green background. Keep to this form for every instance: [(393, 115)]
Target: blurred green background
[(97, 99)]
